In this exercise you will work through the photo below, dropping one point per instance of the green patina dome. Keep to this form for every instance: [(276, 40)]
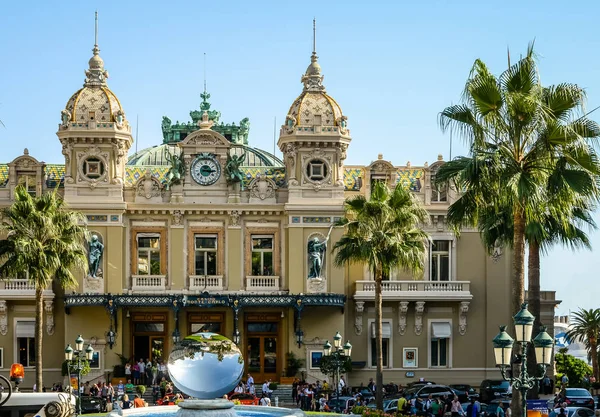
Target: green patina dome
[(156, 156)]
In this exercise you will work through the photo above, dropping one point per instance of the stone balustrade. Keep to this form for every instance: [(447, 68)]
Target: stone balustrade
[(415, 290)]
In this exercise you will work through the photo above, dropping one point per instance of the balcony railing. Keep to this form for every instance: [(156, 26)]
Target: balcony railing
[(416, 290), (148, 282), (20, 289), (206, 282), (262, 283)]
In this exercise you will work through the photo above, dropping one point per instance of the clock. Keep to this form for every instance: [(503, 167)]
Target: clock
[(205, 169)]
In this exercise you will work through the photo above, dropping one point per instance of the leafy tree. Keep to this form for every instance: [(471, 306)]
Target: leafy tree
[(45, 243), (586, 329), (525, 145), (383, 233), (327, 366), (576, 369)]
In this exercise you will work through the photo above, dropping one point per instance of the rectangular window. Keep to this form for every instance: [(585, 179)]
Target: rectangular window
[(439, 349), (1, 357), (262, 255), (25, 335), (205, 327), (439, 192), (386, 332), (205, 249), (148, 254), (95, 362), (440, 260)]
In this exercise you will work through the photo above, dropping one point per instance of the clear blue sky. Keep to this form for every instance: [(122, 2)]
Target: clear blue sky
[(391, 65)]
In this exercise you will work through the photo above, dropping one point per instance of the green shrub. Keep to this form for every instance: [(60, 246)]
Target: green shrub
[(273, 386), (141, 389), (358, 409)]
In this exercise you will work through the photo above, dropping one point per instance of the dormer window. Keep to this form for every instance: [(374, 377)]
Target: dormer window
[(318, 120), (92, 115)]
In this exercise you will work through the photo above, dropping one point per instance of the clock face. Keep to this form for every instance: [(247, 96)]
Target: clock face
[(205, 169)]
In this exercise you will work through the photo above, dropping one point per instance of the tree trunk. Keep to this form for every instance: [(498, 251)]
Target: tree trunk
[(39, 333), (594, 348), (534, 297), (378, 340), (518, 292)]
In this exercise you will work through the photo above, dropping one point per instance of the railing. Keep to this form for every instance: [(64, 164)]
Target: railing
[(148, 282), (422, 290), (262, 283), (206, 282), (18, 285)]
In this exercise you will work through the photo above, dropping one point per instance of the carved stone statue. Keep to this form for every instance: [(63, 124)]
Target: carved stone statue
[(233, 174), (316, 257), (65, 117), (177, 170), (119, 117), (166, 124), (94, 256)]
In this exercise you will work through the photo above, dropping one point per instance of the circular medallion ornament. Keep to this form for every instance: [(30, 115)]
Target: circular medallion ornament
[(205, 169)]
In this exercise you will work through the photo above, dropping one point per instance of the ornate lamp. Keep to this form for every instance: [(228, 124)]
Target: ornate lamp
[(337, 340), (236, 337), (523, 324), (89, 353), (69, 353), (503, 344), (544, 345), (111, 337), (347, 348), (299, 337), (176, 336), (79, 343), (327, 348)]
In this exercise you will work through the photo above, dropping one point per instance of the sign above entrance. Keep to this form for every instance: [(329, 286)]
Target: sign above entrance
[(205, 300)]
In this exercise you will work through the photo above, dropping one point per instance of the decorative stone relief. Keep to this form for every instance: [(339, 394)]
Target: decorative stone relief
[(462, 317), (419, 310), (261, 188), (234, 218), (149, 186), (358, 318), (119, 117), (402, 311), (341, 156), (102, 157), (290, 123), (65, 118), (49, 309), (3, 318), (177, 218)]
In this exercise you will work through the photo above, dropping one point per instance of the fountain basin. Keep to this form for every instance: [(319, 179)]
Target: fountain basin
[(240, 411)]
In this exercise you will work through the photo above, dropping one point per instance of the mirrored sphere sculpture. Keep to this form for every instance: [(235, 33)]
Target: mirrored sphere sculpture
[(206, 365)]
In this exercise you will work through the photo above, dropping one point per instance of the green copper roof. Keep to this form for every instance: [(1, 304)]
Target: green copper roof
[(235, 133)]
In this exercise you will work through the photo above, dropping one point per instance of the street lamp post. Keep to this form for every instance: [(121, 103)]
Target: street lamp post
[(503, 345), (77, 363), (338, 356)]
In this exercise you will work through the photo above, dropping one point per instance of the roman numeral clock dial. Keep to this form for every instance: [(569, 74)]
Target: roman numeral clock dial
[(205, 169)]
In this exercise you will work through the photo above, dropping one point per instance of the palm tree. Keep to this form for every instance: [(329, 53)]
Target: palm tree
[(525, 144), (45, 242), (586, 329), (383, 233)]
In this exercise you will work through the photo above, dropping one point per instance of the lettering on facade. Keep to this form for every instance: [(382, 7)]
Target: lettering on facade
[(96, 218), (313, 219), (206, 301)]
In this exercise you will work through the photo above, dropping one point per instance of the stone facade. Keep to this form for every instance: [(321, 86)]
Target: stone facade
[(192, 242)]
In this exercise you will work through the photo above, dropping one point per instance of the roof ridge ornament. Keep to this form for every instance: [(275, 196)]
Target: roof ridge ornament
[(96, 75), (205, 122), (312, 78)]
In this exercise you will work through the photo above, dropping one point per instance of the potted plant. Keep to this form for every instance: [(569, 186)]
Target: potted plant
[(293, 365)]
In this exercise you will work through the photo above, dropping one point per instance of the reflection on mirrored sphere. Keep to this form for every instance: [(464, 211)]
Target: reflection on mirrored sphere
[(206, 365)]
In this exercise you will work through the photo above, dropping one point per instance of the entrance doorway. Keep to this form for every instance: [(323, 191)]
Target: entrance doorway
[(148, 336), (263, 347)]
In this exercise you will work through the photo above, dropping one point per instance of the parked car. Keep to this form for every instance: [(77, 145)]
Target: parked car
[(574, 412), (389, 406), (491, 389), (423, 391), (578, 397), (463, 391), (367, 395), (92, 405), (245, 398), (341, 405)]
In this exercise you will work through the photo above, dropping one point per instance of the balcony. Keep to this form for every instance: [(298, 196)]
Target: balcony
[(151, 283), (20, 289), (206, 283), (262, 283), (415, 290)]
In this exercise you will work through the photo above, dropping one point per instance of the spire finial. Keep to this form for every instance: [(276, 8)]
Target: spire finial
[(96, 30), (96, 75), (205, 72), (314, 36)]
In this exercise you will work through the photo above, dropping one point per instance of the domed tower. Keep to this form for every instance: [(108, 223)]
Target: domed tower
[(314, 140), (95, 138)]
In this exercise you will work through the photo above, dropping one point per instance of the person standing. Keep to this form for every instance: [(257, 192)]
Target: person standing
[(265, 401), (456, 407), (142, 371), (500, 410), (249, 381), (342, 385)]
